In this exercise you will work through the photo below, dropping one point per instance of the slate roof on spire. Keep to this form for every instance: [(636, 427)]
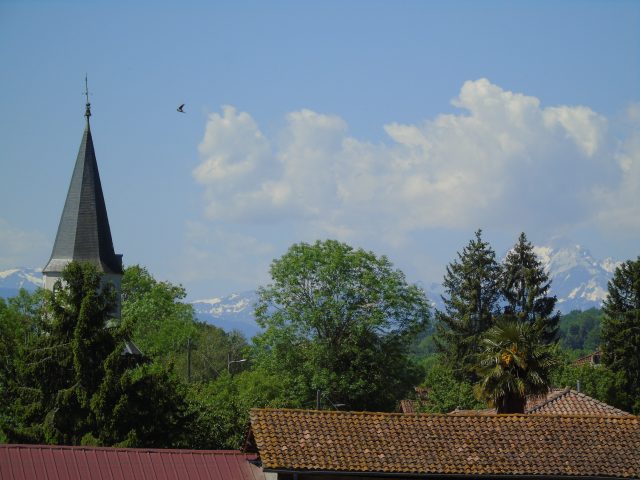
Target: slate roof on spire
[(84, 234)]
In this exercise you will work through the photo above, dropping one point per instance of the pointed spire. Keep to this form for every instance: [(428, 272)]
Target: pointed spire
[(84, 233)]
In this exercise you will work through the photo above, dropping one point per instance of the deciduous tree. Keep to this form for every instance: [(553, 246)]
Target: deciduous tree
[(340, 321)]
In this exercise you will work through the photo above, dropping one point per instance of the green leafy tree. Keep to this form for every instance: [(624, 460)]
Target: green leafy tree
[(164, 327), (621, 330), (161, 321), (74, 381), (221, 407), (340, 321), (19, 317), (445, 392), (525, 286), (472, 293), (61, 368), (597, 381), (139, 405), (580, 331), (513, 364)]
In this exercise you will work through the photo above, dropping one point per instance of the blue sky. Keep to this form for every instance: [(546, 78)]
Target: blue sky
[(400, 127)]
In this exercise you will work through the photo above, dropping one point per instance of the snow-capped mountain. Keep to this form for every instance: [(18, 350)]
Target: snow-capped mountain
[(11, 281), (233, 312), (577, 279)]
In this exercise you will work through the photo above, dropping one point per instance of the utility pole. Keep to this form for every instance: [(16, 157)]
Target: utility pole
[(317, 399), (189, 360)]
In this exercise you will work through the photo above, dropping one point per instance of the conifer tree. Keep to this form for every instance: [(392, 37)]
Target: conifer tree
[(525, 287), (471, 301), (62, 366), (75, 386), (621, 330)]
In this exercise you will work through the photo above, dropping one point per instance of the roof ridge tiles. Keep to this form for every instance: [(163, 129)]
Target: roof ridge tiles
[(568, 391), (124, 449), (446, 415), (551, 397)]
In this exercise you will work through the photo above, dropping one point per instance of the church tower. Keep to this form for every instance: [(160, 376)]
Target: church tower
[(83, 233)]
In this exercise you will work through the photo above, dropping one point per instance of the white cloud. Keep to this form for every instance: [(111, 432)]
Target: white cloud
[(620, 207), (503, 160), (20, 248)]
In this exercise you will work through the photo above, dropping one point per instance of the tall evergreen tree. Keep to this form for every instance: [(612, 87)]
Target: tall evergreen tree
[(621, 330), (471, 301), (75, 386), (62, 366), (525, 286)]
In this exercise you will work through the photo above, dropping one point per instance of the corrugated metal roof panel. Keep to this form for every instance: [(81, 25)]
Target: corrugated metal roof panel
[(27, 462)]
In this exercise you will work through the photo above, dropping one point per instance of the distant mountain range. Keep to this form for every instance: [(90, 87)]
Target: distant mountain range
[(233, 312), (11, 281), (578, 280)]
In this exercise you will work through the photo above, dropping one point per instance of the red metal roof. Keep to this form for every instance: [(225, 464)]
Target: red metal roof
[(28, 462)]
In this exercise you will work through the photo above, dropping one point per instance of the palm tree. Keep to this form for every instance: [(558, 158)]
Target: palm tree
[(514, 363)]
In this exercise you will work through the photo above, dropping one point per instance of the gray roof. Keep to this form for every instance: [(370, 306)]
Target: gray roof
[(84, 234)]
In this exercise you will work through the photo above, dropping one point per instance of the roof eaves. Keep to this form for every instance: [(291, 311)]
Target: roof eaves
[(449, 476)]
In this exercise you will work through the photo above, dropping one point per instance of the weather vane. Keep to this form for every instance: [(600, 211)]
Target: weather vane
[(87, 112)]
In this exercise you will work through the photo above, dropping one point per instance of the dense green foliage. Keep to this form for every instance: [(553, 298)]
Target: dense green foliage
[(471, 299), (164, 327), (580, 331), (17, 322), (525, 288), (621, 330), (222, 406), (340, 321), (444, 392), (73, 385), (488, 305), (597, 381), (515, 362)]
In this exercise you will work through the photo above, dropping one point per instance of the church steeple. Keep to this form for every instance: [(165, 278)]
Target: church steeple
[(83, 233)]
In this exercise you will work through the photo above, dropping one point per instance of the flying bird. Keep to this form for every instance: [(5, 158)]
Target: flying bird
[(180, 108)]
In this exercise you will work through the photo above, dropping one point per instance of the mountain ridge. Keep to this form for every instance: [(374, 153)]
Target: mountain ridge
[(579, 281)]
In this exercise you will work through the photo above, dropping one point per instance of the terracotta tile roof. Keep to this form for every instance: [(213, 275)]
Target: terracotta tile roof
[(560, 401), (409, 406), (570, 402), (22, 462), (593, 359), (558, 445)]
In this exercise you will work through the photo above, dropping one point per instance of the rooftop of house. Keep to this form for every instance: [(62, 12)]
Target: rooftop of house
[(562, 446), (560, 401), (22, 462)]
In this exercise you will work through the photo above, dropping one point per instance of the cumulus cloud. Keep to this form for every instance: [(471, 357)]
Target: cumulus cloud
[(620, 207), (502, 160)]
